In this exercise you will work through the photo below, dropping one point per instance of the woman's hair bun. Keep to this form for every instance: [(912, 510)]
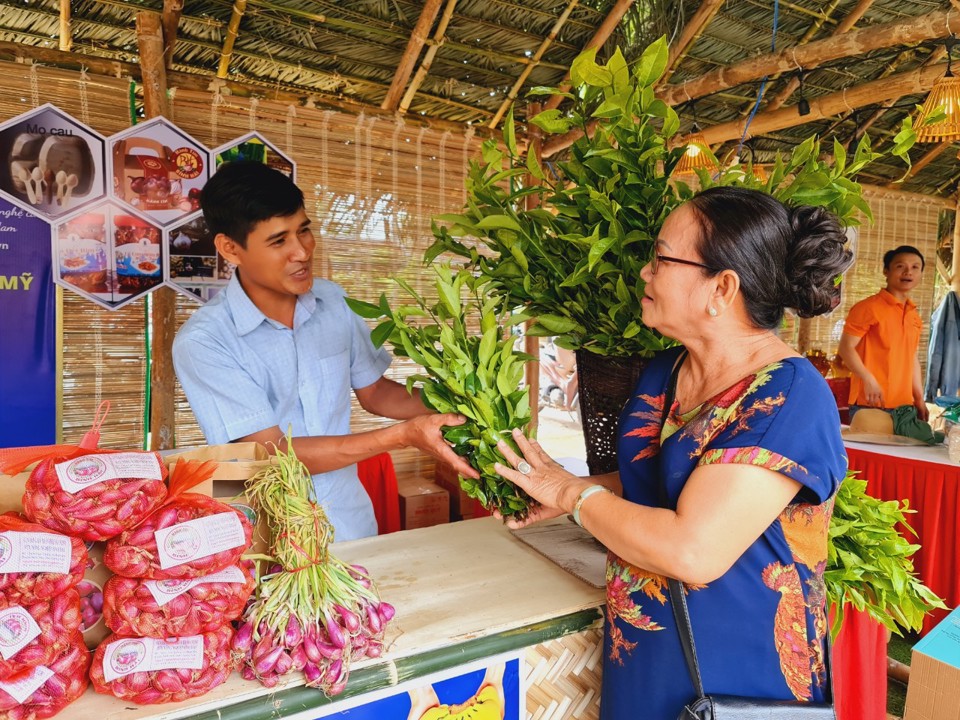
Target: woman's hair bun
[(817, 257)]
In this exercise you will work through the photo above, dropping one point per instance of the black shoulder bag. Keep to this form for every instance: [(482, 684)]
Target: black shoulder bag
[(726, 707)]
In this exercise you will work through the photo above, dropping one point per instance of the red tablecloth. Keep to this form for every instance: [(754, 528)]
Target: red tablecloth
[(380, 481), (860, 668), (932, 487)]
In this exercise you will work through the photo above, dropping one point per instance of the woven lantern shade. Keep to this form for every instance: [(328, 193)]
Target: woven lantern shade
[(697, 156), (944, 97), (759, 173)]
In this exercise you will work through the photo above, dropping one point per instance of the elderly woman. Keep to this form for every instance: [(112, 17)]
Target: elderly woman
[(750, 454)]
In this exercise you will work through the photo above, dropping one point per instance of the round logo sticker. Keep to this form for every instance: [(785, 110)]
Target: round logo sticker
[(14, 627), (182, 543), (187, 163), (86, 470), (6, 550), (248, 512), (173, 587), (128, 656)]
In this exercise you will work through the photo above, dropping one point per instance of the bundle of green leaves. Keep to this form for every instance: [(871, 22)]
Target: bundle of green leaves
[(868, 561), (476, 374), (573, 260)]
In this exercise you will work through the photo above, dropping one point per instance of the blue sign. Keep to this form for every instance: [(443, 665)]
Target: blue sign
[(28, 330)]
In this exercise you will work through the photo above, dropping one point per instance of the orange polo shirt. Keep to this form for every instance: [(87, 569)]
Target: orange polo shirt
[(890, 332)]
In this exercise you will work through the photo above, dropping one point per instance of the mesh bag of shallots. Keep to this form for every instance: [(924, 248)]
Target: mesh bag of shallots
[(47, 689), (174, 608), (148, 671), (36, 633), (37, 563)]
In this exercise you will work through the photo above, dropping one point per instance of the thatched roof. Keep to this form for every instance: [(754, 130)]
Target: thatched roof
[(348, 52)]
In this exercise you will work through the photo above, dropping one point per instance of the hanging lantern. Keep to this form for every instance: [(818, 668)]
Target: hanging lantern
[(759, 173), (944, 99), (697, 155)]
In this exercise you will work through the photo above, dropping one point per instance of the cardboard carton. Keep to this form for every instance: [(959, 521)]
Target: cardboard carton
[(934, 689), (462, 506), (422, 504)]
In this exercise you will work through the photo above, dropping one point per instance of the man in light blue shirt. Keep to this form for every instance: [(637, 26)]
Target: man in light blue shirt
[(279, 348)]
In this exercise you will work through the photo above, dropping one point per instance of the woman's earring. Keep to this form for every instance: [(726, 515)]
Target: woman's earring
[(712, 311)]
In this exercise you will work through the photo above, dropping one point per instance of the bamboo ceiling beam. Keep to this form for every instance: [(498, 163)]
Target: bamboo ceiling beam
[(508, 101), (689, 35), (408, 61), (233, 29), (857, 42), (172, 10), (906, 83), (848, 22), (326, 20), (920, 164), (199, 82), (424, 69), (65, 39), (602, 34)]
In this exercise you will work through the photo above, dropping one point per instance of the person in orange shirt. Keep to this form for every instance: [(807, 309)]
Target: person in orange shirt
[(881, 337)]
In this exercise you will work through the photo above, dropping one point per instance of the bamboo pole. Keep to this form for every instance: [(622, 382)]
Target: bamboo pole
[(508, 101), (804, 335), (531, 344), (857, 42), (66, 40), (424, 69), (233, 29), (907, 83), (920, 164), (848, 22), (172, 9), (602, 34), (409, 58), (163, 316), (691, 32)]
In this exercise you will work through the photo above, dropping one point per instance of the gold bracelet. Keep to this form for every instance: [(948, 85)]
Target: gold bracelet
[(587, 492)]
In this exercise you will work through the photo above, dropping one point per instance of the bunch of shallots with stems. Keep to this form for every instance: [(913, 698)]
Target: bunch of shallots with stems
[(311, 612)]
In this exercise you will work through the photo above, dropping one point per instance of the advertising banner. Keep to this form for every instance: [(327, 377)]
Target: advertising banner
[(28, 339)]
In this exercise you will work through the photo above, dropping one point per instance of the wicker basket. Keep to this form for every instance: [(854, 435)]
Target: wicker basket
[(605, 387)]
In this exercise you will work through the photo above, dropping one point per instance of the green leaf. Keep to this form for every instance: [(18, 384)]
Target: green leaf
[(510, 133), (498, 222), (552, 121), (366, 310), (653, 62), (585, 71), (557, 324), (381, 333)]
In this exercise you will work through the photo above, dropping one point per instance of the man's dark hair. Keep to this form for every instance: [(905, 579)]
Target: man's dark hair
[(902, 250), (243, 193)]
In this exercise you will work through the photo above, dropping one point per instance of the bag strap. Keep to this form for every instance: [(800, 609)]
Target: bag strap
[(678, 596), (681, 614)]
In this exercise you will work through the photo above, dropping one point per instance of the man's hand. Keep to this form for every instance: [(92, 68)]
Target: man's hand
[(922, 412), (425, 433), (873, 391)]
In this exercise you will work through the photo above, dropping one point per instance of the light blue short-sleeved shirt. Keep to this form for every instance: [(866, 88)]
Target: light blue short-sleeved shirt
[(243, 372)]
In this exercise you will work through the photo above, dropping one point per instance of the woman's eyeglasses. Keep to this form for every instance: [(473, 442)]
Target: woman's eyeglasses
[(658, 258)]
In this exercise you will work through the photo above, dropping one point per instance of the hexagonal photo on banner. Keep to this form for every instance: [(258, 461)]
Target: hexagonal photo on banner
[(194, 267), (158, 170), (50, 163), (254, 146), (108, 253)]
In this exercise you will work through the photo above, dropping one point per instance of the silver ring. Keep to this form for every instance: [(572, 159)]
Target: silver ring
[(524, 467)]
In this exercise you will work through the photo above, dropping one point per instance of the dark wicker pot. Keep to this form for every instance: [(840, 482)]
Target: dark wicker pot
[(605, 386)]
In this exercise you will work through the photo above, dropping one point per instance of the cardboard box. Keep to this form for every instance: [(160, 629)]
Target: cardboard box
[(462, 506), (422, 504), (934, 689)]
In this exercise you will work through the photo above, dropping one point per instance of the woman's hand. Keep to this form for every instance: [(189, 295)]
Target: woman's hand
[(545, 480)]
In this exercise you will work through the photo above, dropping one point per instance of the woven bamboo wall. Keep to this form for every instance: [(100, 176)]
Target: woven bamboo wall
[(563, 677), (371, 185)]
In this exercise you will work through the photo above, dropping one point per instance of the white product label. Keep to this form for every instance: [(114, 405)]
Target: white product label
[(17, 629), (130, 655), (20, 690), (82, 472), (22, 552), (188, 541), (164, 591)]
